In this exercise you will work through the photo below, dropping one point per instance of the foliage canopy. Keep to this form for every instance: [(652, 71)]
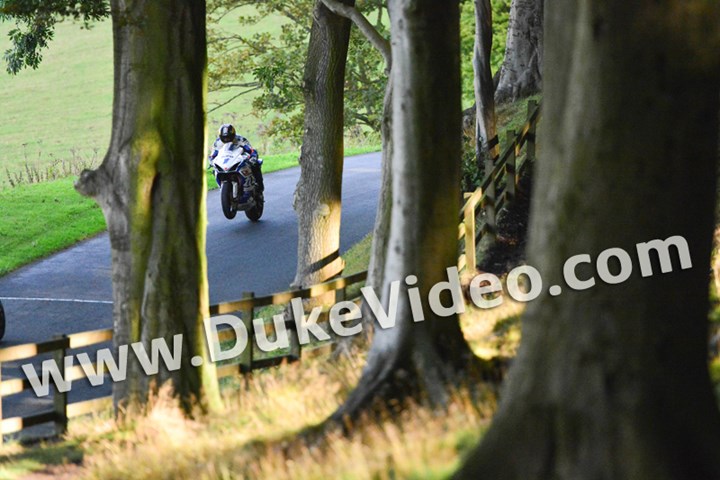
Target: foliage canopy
[(275, 65), (35, 21)]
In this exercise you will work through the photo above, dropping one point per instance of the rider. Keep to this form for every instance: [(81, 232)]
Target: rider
[(227, 134)]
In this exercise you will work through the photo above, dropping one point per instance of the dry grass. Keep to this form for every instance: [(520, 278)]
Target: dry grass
[(492, 332), (40, 170), (257, 436), (265, 430)]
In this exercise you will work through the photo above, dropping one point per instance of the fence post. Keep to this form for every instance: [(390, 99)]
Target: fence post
[(340, 294), (291, 328), (60, 398), (511, 167), (469, 221), (530, 156), (489, 208), (247, 318)]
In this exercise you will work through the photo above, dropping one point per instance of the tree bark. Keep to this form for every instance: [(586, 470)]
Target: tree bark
[(612, 381), (383, 215), (151, 187), (318, 194), (363, 24), (486, 142), (426, 107), (521, 71), (381, 228)]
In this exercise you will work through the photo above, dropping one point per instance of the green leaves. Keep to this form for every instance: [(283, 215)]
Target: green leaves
[(35, 20), (277, 62), (28, 45)]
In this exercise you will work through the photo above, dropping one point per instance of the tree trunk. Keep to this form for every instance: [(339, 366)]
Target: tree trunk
[(151, 187), (381, 228), (383, 216), (318, 194), (381, 231), (521, 71), (487, 148), (425, 196), (486, 129), (612, 381)]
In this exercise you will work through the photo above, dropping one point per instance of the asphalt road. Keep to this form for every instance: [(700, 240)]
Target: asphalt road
[(71, 291)]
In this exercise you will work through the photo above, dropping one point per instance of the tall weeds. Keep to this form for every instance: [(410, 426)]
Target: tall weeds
[(39, 171)]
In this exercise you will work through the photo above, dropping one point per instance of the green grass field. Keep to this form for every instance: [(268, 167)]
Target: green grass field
[(63, 109), (32, 226), (64, 105)]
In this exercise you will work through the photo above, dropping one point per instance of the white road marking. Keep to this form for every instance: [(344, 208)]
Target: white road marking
[(61, 300)]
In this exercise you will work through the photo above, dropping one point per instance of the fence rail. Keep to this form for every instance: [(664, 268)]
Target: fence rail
[(503, 179), (500, 183), (59, 347)]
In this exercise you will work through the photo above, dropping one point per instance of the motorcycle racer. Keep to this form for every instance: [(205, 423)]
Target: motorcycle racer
[(227, 134)]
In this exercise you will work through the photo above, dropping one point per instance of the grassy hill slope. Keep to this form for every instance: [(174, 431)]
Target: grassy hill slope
[(65, 105), (63, 110)]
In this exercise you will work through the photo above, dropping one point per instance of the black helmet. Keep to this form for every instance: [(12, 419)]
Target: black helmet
[(227, 133)]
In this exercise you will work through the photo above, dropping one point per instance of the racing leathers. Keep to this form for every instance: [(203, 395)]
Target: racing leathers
[(242, 142)]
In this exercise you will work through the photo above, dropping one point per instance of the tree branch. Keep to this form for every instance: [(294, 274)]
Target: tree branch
[(294, 18), (370, 32), (233, 98), (237, 85)]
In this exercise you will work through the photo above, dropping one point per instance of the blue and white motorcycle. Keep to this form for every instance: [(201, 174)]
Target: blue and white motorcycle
[(238, 189)]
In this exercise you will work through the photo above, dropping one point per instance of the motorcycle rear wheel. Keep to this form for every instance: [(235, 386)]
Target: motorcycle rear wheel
[(254, 213), (226, 198)]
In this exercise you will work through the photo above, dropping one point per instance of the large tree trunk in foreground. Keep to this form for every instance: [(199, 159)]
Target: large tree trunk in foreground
[(318, 194), (521, 71), (423, 231), (151, 187), (612, 381)]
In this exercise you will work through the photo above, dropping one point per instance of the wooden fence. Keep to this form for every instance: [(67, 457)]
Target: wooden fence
[(245, 363), (479, 208), (498, 189)]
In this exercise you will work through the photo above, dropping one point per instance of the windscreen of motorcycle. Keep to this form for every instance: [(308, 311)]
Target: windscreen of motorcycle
[(228, 157)]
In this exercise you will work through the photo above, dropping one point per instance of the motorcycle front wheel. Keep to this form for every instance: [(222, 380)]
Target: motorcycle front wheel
[(226, 198), (256, 212)]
